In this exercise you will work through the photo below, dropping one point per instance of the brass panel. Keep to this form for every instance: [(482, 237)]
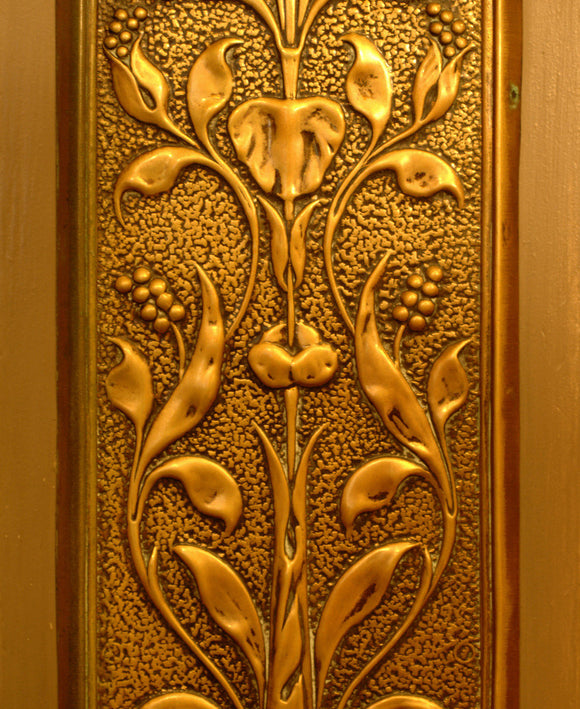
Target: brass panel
[(289, 259)]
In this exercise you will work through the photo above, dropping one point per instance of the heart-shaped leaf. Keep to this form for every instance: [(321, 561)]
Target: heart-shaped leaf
[(405, 701), (154, 172), (447, 86), (356, 594), (228, 601), (427, 76), (298, 241), (388, 389), (130, 385), (288, 144), (278, 242), (210, 487), (368, 84), (197, 390), (373, 486), (419, 173), (209, 85), (447, 387), (179, 700)]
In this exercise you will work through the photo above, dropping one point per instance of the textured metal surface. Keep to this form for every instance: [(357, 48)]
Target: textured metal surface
[(294, 371)]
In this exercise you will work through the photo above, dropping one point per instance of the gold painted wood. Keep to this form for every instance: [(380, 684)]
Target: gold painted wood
[(294, 396)]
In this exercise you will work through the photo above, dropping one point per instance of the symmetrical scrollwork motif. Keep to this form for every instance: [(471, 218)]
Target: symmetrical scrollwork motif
[(286, 145)]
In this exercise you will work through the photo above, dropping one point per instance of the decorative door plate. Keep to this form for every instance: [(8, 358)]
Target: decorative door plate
[(288, 455)]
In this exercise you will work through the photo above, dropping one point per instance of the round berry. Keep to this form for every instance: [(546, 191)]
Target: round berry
[(415, 281), (430, 289), (434, 273), (140, 13), (446, 17), (433, 8), (157, 286), (149, 312), (125, 37), (123, 284), (449, 52), (161, 324), (122, 52), (141, 274), (458, 27), (401, 313), (122, 15), (165, 301), (409, 298), (436, 28), (426, 307), (116, 27), (111, 42), (176, 312), (140, 294), (133, 23), (461, 43), (417, 323), (446, 37)]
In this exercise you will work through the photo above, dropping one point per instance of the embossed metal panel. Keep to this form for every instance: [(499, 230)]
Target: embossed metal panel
[(286, 441)]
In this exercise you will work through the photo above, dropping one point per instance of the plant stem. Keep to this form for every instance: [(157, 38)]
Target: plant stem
[(397, 345), (291, 402), (180, 349), (291, 311)]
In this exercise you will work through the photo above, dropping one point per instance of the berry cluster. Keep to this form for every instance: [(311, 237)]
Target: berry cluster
[(158, 304), (418, 302), (447, 28), (122, 30)]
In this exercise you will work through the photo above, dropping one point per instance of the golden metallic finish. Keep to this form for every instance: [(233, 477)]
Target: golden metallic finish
[(288, 487)]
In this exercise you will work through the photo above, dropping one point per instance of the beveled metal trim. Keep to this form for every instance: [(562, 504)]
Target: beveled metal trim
[(76, 22)]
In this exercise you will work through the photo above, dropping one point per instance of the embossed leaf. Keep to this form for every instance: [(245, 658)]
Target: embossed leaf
[(129, 82), (209, 486), (448, 386), (130, 385), (356, 594), (447, 86), (197, 390), (209, 85), (419, 173), (278, 242), (154, 172), (298, 241), (179, 700), (287, 144), (373, 485), (368, 84), (149, 77), (388, 389), (228, 601), (405, 701), (427, 76), (129, 93), (272, 364)]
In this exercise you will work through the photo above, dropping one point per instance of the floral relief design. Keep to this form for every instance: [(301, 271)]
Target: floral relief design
[(284, 148)]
